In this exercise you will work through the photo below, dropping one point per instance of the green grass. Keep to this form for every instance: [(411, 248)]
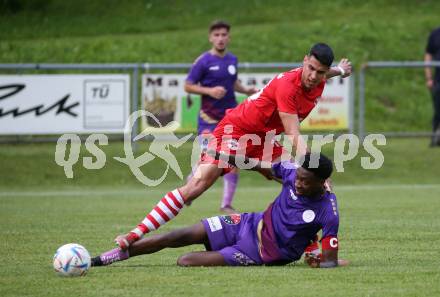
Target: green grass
[(389, 223), (389, 234), (277, 31), (389, 217)]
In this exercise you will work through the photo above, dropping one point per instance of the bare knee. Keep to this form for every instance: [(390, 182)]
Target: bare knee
[(207, 258), (185, 260), (193, 189)]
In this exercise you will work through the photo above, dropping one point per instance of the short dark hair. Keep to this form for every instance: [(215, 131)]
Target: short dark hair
[(218, 24), (323, 169), (323, 53)]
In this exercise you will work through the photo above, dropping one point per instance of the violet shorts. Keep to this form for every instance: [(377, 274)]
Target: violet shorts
[(235, 237)]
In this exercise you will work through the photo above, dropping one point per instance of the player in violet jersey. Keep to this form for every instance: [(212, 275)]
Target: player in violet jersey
[(249, 130), (214, 76), (278, 235)]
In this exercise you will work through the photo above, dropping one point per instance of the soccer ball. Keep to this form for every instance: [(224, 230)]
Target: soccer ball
[(71, 259)]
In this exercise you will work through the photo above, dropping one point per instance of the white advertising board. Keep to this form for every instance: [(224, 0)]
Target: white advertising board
[(68, 103)]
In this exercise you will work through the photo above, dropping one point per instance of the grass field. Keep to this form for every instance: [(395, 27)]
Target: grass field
[(389, 217), (389, 230)]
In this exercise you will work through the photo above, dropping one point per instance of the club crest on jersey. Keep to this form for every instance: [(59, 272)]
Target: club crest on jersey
[(232, 70), (232, 219), (308, 216)]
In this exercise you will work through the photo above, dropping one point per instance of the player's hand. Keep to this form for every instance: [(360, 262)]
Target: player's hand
[(312, 260), (252, 90), (328, 185), (266, 172), (217, 92), (345, 65), (430, 84)]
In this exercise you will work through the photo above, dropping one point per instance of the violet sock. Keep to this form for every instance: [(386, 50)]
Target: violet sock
[(113, 255), (229, 185)]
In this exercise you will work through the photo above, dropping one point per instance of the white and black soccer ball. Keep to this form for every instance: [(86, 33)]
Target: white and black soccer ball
[(71, 259)]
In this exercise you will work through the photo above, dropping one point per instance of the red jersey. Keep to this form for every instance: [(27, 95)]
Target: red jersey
[(259, 113)]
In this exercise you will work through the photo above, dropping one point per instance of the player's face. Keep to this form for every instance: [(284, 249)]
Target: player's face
[(219, 39), (313, 72), (307, 184)]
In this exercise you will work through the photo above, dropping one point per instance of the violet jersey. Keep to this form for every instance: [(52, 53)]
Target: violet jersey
[(211, 71), (292, 221)]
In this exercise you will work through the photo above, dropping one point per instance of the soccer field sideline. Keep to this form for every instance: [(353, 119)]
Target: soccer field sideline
[(365, 187)]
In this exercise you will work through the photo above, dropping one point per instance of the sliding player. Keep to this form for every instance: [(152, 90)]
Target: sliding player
[(276, 236), (279, 107)]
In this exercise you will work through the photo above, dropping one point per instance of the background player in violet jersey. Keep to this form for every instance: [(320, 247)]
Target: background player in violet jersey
[(214, 76), (278, 107), (278, 235)]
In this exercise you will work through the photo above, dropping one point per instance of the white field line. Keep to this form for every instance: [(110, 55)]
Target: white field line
[(119, 192)]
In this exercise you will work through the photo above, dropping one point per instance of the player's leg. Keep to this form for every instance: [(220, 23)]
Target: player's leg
[(171, 204), (230, 181), (207, 258), (232, 241), (195, 234), (204, 132)]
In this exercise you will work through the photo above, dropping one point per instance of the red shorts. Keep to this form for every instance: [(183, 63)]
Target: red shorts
[(231, 140)]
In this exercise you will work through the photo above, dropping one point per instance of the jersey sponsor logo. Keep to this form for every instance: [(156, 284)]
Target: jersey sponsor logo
[(308, 216), (232, 219), (214, 68), (214, 224), (232, 70)]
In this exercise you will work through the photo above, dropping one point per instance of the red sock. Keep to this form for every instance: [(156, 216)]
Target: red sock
[(313, 247), (167, 208)]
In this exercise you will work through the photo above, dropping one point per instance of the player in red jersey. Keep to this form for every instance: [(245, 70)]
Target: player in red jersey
[(249, 130)]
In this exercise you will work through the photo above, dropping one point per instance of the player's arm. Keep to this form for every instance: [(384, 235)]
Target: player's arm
[(329, 256), (215, 92), (238, 87), (291, 129), (428, 71), (343, 69), (328, 259)]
